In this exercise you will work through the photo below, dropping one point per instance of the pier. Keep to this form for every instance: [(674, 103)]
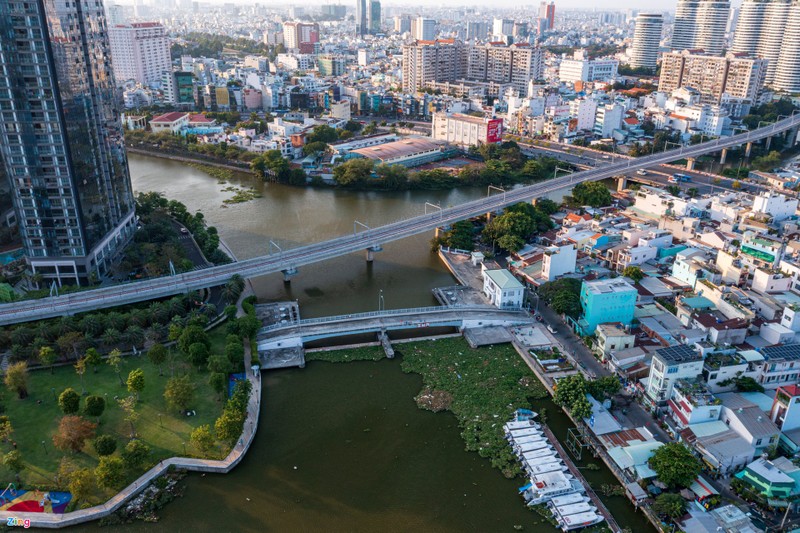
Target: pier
[(579, 476)]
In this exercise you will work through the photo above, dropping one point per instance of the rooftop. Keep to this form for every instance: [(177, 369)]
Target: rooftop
[(169, 117), (503, 279), (680, 353), (607, 286), (398, 149), (787, 352)]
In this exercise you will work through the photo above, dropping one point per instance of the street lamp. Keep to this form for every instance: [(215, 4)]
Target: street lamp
[(499, 189), (184, 448), (435, 206), (160, 422), (381, 301), (44, 448), (555, 171)]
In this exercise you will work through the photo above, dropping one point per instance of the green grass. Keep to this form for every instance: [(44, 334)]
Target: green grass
[(35, 419)]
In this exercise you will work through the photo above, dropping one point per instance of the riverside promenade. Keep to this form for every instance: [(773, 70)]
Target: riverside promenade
[(223, 466)]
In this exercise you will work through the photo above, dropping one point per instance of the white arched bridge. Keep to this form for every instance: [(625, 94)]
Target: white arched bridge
[(370, 239)]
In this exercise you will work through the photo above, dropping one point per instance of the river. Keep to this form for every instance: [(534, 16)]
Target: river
[(343, 447)]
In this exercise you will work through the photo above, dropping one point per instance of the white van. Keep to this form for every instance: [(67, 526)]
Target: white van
[(550, 328)]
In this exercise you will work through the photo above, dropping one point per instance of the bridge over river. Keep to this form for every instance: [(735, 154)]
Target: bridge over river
[(369, 239)]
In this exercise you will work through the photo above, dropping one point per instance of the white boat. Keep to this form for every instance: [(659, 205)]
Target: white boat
[(543, 487), (573, 508), (569, 499), (520, 424), (542, 454), (531, 446), (542, 468), (524, 440), (577, 521), (524, 432)]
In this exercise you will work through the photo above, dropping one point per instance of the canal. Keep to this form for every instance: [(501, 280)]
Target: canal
[(343, 447)]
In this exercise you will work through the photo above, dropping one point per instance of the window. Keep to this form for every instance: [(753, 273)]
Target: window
[(758, 442), (672, 370)]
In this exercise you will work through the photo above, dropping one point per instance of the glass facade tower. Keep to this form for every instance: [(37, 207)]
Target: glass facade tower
[(61, 137)]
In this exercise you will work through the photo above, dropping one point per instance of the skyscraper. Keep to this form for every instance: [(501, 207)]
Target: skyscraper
[(423, 29), (61, 137), (547, 16), (362, 22), (768, 29), (646, 40), (374, 16), (700, 24)]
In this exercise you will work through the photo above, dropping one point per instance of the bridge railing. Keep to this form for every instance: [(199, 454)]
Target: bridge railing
[(373, 314)]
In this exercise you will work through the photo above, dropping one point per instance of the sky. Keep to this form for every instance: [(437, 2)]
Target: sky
[(652, 5)]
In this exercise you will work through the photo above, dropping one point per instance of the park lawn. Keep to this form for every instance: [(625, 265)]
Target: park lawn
[(35, 419)]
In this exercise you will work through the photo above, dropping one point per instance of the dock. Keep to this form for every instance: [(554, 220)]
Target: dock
[(579, 476)]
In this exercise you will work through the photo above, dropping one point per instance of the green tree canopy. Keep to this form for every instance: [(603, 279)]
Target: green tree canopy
[(135, 381), (94, 406), (69, 401), (592, 193), (353, 173), (670, 504), (633, 272), (675, 465), (110, 472), (179, 392), (105, 445)]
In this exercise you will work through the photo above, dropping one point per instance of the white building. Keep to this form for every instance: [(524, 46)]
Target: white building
[(776, 205), (581, 68), (584, 111), (668, 366), (607, 119), (646, 40), (559, 260), (140, 51), (700, 24), (341, 110), (423, 29), (503, 289), (466, 130)]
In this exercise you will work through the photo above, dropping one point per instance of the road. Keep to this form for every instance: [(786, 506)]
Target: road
[(289, 260)]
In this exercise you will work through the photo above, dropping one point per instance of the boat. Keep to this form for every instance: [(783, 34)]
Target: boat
[(578, 521), (548, 485), (525, 414), (525, 440), (542, 454), (542, 467), (569, 499), (525, 432), (519, 424), (531, 446), (571, 509)]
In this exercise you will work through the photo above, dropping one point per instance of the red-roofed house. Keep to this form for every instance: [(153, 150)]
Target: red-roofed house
[(198, 120), (785, 410), (171, 122)]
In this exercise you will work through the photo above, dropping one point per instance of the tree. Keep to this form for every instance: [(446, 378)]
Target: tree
[(72, 432), (6, 429), (179, 392), (105, 445), (198, 354), (591, 193), (633, 272), (229, 425), (47, 356), (16, 379), (202, 439), (322, 133), (81, 484), (219, 364), (80, 369), (218, 382), (234, 351), (248, 326), (192, 335), (93, 359), (566, 302), (94, 406), (110, 473), (581, 408), (675, 465), (314, 147), (128, 404), (670, 504), (114, 361), (13, 461), (394, 177), (767, 162), (135, 454), (69, 401), (353, 173), (70, 343), (157, 354), (135, 381)]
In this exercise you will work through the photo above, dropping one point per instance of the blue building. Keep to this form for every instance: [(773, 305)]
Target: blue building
[(606, 300)]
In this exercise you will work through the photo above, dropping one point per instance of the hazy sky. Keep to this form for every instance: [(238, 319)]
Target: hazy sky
[(654, 5)]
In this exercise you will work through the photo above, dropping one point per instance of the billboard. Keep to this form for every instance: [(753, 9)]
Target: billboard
[(494, 130)]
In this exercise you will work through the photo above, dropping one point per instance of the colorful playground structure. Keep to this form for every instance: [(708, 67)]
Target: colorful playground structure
[(33, 501)]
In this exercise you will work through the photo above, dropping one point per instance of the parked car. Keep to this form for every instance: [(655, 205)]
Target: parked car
[(642, 172)]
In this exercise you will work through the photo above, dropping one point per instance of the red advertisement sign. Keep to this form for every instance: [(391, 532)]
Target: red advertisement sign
[(494, 131)]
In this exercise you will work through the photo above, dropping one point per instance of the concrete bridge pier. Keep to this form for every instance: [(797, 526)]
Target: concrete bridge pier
[(791, 136), (489, 216), (622, 183), (690, 163), (747, 149), (723, 156), (378, 248), (288, 274), (767, 143)]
